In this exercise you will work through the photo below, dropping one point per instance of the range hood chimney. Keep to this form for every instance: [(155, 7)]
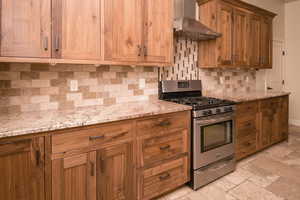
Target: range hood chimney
[(186, 25)]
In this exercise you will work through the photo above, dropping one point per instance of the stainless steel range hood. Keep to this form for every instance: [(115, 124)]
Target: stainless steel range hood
[(186, 25)]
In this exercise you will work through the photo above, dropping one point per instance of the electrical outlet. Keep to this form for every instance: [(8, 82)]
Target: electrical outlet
[(74, 85), (142, 83), (221, 80)]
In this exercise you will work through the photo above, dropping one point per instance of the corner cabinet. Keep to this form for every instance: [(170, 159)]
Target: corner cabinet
[(246, 39), (115, 32), (22, 169)]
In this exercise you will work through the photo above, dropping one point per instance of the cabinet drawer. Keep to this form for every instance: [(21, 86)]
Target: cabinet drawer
[(273, 103), (160, 148), (163, 124), (247, 108), (246, 126), (245, 146), (158, 180), (86, 137)]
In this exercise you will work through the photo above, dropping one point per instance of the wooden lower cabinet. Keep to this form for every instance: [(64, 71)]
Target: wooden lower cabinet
[(264, 124), (104, 174), (22, 169), (115, 173)]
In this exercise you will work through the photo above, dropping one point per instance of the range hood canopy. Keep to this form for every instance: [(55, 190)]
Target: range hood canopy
[(186, 25)]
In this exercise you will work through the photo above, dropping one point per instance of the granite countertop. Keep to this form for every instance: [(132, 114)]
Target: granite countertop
[(37, 122), (240, 97)]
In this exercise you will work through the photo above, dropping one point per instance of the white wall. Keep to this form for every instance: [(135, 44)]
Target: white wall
[(292, 69), (276, 6)]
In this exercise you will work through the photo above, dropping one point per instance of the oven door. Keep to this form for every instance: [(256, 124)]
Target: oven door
[(213, 139)]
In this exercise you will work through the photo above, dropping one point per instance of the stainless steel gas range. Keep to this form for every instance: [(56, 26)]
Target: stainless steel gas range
[(213, 130)]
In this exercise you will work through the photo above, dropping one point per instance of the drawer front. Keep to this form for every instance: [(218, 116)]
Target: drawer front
[(166, 177), (273, 103), (164, 147), (163, 124), (247, 108), (87, 137), (245, 146), (246, 126)]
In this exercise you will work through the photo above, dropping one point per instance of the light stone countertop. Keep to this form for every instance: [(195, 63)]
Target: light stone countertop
[(240, 97), (37, 122)]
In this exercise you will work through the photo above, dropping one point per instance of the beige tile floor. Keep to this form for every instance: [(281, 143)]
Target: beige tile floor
[(273, 174)]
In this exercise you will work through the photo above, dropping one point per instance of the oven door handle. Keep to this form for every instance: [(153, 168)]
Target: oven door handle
[(208, 121)]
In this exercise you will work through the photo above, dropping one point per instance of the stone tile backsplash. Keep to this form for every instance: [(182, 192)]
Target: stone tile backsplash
[(217, 80), (34, 87)]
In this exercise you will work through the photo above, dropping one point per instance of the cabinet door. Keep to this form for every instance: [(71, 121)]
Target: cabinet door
[(158, 31), (284, 117), (77, 30), (225, 42), (276, 125), (74, 178), (241, 38), (22, 169), (25, 28), (266, 128), (123, 30), (266, 43), (254, 41), (115, 178)]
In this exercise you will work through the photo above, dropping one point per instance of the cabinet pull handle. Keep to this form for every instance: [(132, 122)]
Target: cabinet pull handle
[(164, 176), (165, 147), (120, 135), (164, 123), (38, 157), (139, 50), (102, 165), (57, 44), (145, 51), (97, 137), (92, 169), (46, 44)]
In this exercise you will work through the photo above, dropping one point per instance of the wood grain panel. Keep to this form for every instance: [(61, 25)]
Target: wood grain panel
[(123, 30), (80, 36), (255, 44), (22, 171), (158, 26), (26, 28)]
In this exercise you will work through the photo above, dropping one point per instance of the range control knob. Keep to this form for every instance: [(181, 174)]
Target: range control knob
[(218, 110), (228, 109), (209, 112)]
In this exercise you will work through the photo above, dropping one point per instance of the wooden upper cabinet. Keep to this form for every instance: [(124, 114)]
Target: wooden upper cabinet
[(246, 39), (77, 29), (22, 169), (26, 28), (123, 30), (115, 173), (254, 40), (266, 42), (158, 24), (225, 27), (74, 177), (241, 38)]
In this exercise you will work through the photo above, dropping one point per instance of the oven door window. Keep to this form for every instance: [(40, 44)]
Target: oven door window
[(216, 135)]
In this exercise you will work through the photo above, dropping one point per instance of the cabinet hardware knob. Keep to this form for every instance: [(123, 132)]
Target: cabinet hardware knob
[(97, 137), (45, 44), (165, 147), (57, 44), (139, 50), (164, 123), (92, 169), (164, 176), (38, 157), (145, 51)]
